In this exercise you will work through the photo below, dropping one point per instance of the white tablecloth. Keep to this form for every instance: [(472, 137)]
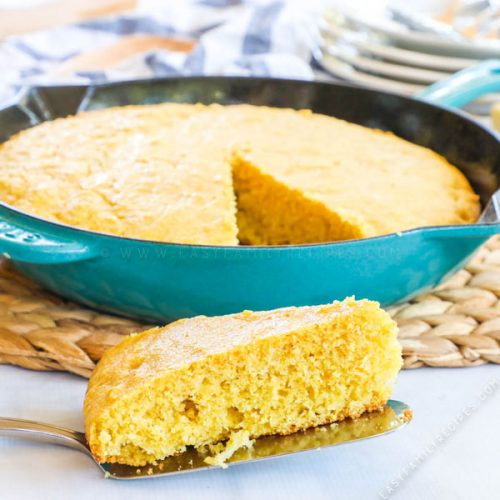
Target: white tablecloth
[(456, 419)]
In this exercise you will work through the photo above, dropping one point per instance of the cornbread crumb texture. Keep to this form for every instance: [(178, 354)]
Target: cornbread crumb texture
[(202, 380), (170, 172)]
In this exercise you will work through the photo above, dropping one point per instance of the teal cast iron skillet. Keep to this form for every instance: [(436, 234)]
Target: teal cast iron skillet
[(162, 281)]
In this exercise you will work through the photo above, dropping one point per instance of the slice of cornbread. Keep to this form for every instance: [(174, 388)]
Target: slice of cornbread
[(203, 380)]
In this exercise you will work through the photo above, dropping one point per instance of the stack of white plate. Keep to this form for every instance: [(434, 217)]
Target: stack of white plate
[(403, 46)]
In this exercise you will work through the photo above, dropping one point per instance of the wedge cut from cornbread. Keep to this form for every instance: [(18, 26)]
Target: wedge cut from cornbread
[(202, 380)]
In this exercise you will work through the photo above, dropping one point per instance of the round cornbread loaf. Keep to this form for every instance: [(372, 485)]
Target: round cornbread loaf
[(221, 174), (203, 380)]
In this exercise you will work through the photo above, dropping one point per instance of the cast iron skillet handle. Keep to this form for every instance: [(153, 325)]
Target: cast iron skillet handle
[(456, 91), (464, 86), (44, 432), (23, 245)]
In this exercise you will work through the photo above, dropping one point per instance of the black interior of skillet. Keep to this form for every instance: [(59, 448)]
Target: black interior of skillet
[(463, 142)]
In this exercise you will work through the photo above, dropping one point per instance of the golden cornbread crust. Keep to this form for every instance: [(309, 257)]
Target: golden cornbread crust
[(200, 381), (126, 171), (170, 172)]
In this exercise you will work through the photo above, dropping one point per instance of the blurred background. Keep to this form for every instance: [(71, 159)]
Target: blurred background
[(394, 45)]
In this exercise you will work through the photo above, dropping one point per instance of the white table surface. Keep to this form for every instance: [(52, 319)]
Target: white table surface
[(456, 416)]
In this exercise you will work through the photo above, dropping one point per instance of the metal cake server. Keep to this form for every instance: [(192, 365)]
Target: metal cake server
[(392, 416)]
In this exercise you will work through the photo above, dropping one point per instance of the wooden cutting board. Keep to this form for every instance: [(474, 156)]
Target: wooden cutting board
[(53, 13)]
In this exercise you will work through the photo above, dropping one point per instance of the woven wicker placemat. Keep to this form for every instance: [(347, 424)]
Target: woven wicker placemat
[(456, 325)]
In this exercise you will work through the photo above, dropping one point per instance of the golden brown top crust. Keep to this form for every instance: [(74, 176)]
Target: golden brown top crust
[(187, 340), (162, 172), (126, 171)]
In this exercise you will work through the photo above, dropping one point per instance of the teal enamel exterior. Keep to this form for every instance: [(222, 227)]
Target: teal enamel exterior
[(161, 282), (465, 86)]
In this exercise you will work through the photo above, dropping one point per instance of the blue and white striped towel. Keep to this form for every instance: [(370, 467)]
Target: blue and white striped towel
[(235, 37)]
